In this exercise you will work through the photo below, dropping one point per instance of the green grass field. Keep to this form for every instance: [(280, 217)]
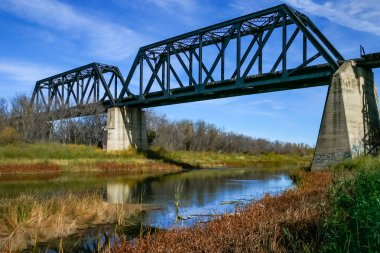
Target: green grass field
[(53, 156)]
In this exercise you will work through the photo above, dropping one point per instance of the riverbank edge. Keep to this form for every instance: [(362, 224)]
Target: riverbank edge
[(53, 158), (335, 210), (289, 222)]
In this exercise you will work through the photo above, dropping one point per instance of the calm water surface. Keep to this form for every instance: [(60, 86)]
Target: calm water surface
[(200, 194)]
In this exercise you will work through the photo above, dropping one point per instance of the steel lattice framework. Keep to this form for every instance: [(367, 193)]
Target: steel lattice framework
[(251, 54), (78, 89)]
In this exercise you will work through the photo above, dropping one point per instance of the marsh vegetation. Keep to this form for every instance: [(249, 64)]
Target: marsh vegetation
[(27, 219)]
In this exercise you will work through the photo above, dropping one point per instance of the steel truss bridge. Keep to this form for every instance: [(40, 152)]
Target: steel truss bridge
[(271, 50)]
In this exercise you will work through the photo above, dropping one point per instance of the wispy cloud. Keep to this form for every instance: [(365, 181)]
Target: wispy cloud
[(103, 38), (186, 12), (273, 105), (172, 5), (20, 77), (246, 6), (358, 15), (24, 71)]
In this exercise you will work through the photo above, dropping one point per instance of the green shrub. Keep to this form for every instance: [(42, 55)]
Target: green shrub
[(354, 224)]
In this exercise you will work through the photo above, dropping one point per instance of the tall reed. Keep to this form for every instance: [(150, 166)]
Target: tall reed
[(29, 219)]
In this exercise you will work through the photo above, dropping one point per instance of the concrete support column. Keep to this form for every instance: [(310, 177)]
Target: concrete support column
[(350, 107), (126, 127)]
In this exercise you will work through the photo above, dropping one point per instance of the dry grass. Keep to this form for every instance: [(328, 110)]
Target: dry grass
[(142, 167), (26, 220), (214, 159), (28, 168), (286, 223)]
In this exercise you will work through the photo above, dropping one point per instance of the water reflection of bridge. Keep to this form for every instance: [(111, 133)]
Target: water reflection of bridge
[(118, 193), (192, 67)]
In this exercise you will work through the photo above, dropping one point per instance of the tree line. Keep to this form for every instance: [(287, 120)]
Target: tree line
[(19, 122), (201, 136), (31, 127)]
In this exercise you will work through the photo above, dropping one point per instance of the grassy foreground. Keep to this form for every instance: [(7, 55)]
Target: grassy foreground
[(353, 223), (336, 210), (53, 157)]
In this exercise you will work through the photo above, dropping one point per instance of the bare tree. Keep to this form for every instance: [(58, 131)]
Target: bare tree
[(4, 114), (201, 136)]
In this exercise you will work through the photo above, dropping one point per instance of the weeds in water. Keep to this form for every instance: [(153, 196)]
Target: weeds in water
[(177, 198), (177, 194)]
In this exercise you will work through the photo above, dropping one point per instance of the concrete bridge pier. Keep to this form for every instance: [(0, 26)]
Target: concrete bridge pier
[(126, 128), (350, 116)]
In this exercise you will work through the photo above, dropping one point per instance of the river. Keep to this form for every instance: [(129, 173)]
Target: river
[(180, 199)]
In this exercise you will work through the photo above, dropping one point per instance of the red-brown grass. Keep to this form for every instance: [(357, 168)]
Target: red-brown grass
[(28, 168), (29, 176), (286, 223)]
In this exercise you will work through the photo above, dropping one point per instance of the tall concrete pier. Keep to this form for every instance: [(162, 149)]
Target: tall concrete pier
[(350, 116), (126, 128)]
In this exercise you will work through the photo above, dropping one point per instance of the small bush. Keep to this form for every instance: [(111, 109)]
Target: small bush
[(9, 135)]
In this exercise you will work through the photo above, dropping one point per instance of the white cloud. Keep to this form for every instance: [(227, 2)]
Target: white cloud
[(247, 6), (24, 72), (267, 104), (358, 15), (171, 4), (186, 12), (105, 39), (20, 77)]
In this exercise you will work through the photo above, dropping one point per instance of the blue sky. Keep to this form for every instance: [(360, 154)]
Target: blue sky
[(40, 38)]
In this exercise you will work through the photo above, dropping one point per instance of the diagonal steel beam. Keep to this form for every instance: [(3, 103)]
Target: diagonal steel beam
[(176, 76), (202, 65), (279, 59), (152, 77), (221, 52), (260, 49), (312, 39), (183, 65), (154, 72)]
